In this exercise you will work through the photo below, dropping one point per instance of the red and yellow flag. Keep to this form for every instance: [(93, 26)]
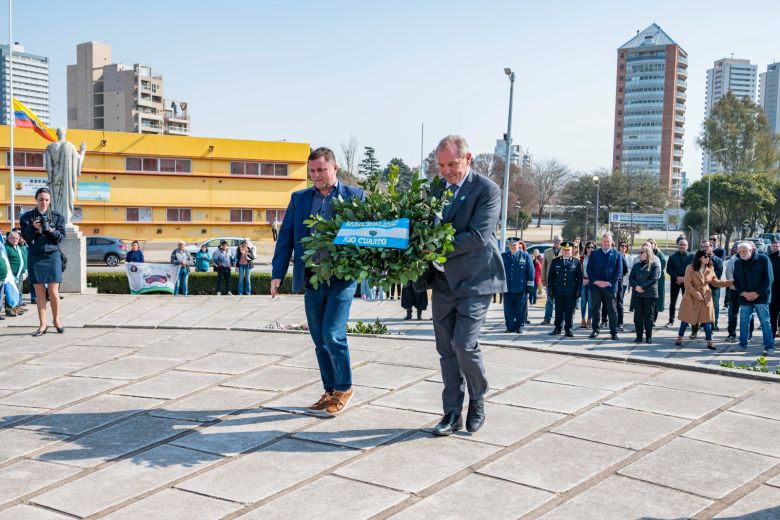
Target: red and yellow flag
[(24, 118)]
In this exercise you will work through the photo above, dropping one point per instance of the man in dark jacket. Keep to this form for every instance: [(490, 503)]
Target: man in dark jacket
[(519, 268), (605, 269), (753, 283), (774, 304), (564, 280), (675, 266)]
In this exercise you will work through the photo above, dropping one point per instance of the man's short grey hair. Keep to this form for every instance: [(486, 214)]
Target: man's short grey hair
[(14, 234), (747, 245), (182, 242), (558, 238), (606, 234), (457, 141)]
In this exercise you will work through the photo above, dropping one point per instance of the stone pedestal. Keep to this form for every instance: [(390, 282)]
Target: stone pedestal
[(74, 246)]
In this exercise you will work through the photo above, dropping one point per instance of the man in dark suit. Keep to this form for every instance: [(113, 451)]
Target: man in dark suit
[(675, 266), (327, 307), (464, 284)]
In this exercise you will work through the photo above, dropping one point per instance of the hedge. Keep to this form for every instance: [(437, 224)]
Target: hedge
[(199, 283)]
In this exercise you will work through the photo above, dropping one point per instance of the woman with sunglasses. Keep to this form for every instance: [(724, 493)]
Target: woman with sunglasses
[(644, 284), (697, 303), (43, 230), (585, 307)]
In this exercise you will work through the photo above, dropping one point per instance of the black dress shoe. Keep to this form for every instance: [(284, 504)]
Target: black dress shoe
[(649, 340), (638, 340), (555, 332), (614, 337), (449, 424), (40, 332), (594, 335), (475, 417), (568, 334)]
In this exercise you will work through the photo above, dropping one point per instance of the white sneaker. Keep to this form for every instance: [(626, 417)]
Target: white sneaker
[(219, 293)]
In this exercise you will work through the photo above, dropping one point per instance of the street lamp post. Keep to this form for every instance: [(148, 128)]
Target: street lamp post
[(585, 232), (632, 205), (505, 206), (596, 222), (709, 186)]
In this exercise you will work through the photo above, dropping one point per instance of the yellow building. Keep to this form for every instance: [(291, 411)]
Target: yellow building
[(164, 187)]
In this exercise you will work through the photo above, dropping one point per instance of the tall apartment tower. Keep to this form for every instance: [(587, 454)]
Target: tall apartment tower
[(120, 98), (727, 75), (514, 154), (31, 82), (769, 98), (650, 108)]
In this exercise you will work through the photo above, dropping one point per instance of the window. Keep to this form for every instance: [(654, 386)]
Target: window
[(213, 243), (102, 241), (241, 215), (255, 168), (270, 214), (138, 215), (178, 215), (153, 164), (20, 210), (25, 159)]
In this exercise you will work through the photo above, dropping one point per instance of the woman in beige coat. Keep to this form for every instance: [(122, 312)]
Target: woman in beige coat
[(697, 305)]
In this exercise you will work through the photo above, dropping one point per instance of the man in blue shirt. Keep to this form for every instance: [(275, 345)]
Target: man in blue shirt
[(605, 269), (327, 306), (519, 268)]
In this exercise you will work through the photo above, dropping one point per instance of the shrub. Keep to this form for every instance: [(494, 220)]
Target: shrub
[(199, 283)]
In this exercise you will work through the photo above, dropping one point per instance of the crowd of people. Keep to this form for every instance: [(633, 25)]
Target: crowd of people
[(597, 279)]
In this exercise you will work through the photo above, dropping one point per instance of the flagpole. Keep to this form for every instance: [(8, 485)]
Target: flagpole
[(12, 120)]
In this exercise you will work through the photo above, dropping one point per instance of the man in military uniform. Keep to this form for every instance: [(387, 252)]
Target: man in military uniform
[(519, 268), (565, 283)]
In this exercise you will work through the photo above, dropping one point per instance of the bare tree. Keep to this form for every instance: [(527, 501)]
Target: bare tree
[(484, 164), (349, 149), (547, 177)]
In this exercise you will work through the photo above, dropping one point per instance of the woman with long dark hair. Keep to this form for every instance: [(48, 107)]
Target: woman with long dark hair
[(43, 229), (697, 304), (644, 284)]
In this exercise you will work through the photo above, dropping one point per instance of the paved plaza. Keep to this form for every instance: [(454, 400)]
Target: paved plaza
[(161, 407)]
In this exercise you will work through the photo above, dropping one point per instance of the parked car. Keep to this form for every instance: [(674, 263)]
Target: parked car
[(110, 250), (770, 236), (213, 244), (761, 244), (541, 247)]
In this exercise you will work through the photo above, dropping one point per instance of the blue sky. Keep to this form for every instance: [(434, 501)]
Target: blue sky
[(318, 72)]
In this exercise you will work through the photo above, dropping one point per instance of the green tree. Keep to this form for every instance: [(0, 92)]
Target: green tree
[(370, 164), (404, 173), (738, 136), (733, 199), (578, 195)]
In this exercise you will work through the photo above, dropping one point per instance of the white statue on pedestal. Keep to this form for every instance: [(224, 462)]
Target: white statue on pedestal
[(63, 165)]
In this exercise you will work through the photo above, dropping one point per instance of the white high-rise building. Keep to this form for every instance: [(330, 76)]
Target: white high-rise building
[(769, 98), (515, 153), (727, 75), (31, 82)]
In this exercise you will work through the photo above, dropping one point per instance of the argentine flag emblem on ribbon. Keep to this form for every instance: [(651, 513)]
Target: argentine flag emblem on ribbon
[(384, 233)]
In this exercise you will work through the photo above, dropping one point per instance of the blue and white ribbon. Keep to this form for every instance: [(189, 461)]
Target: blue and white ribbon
[(384, 233)]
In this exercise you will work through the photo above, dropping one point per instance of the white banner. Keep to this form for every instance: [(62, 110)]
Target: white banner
[(148, 278), (27, 186), (657, 219)]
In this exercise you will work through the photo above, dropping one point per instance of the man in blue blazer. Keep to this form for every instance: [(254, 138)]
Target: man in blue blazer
[(327, 307), (605, 269)]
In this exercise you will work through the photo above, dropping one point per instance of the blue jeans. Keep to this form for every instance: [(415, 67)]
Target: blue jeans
[(706, 326), (548, 307), (244, 279), (585, 302), (181, 281), (715, 298), (327, 312), (532, 294), (762, 311)]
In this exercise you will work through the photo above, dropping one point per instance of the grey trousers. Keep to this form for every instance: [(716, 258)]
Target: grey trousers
[(456, 324)]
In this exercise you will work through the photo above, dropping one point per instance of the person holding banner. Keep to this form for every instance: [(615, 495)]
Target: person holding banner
[(181, 258), (463, 286), (327, 306), (135, 255), (43, 229)]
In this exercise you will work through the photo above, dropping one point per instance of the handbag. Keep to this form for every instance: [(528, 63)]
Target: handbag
[(64, 260)]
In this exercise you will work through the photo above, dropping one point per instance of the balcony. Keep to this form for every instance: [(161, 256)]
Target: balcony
[(682, 84), (682, 73), (180, 117), (679, 141), (177, 130), (679, 118), (682, 60), (681, 95), (680, 106)]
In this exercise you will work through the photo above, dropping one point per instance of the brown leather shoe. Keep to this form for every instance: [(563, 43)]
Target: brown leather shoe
[(320, 406), (339, 401), (11, 312)]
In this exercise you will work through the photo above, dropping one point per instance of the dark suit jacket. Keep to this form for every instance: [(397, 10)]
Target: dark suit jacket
[(475, 267), (293, 230)]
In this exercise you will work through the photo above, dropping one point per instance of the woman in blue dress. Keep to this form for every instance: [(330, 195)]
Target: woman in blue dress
[(43, 230)]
